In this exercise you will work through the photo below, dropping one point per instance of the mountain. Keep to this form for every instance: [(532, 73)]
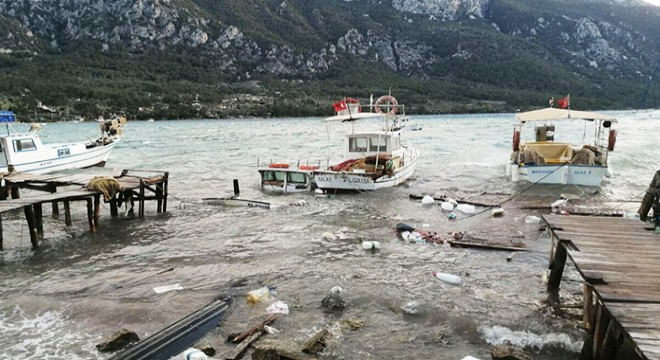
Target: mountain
[(224, 58)]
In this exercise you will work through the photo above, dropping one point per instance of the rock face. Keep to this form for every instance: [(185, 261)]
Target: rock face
[(118, 341), (428, 39)]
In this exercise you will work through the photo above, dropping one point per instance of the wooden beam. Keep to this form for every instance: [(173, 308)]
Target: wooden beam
[(56, 208), (587, 315), (2, 239), (39, 218), (29, 216), (90, 216), (141, 199), (15, 194), (165, 182), (67, 213), (600, 328), (159, 197), (114, 212), (97, 209), (611, 343), (557, 267)]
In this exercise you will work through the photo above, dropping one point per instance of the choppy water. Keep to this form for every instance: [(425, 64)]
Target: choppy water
[(58, 301)]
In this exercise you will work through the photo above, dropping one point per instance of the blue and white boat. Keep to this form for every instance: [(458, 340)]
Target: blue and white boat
[(26, 153), (547, 161)]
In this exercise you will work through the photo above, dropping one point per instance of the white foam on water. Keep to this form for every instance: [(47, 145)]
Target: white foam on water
[(498, 335), (46, 335)]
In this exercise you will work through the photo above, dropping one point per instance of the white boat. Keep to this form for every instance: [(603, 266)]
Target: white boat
[(284, 178), (547, 161), (25, 152), (373, 160)]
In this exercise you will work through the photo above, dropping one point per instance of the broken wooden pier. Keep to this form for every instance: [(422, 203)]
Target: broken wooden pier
[(618, 260), (134, 186)]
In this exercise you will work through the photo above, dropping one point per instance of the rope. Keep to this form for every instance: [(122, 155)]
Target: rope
[(134, 148)]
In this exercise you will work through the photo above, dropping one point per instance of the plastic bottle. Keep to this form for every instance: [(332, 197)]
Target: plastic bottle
[(259, 294), (191, 354), (448, 278)]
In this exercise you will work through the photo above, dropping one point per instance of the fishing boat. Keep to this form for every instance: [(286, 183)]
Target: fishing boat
[(25, 152), (548, 161), (373, 159), (286, 178)]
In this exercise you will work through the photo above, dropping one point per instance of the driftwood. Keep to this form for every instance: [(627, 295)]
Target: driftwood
[(244, 344), (483, 245), (257, 328)]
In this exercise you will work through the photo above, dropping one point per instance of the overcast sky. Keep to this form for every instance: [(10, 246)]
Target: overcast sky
[(654, 2)]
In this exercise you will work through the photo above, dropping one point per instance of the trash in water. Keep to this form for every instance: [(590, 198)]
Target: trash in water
[(447, 206), (469, 358), (466, 208), (254, 296), (448, 278), (427, 200), (191, 354), (452, 201), (559, 203), (451, 215), (426, 226), (497, 212), (411, 307), (371, 245), (271, 330), (631, 215), (405, 235), (278, 307), (564, 212), (336, 290), (531, 219), (166, 288)]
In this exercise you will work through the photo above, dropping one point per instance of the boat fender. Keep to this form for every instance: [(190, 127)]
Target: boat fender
[(389, 165), (611, 140), (516, 140), (278, 166), (391, 100)]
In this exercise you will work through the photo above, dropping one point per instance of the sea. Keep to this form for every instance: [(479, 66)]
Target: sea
[(77, 288)]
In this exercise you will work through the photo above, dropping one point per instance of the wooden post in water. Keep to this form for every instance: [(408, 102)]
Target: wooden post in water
[(165, 182), (114, 212), (97, 209), (56, 209), (141, 199), (39, 218), (557, 267), (90, 216), (14, 192), (587, 312), (2, 238), (29, 217), (600, 329), (67, 213), (159, 196)]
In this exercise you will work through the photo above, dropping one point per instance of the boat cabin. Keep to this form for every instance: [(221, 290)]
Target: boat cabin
[(360, 145), (281, 178)]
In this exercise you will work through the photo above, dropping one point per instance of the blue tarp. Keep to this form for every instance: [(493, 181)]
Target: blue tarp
[(7, 116)]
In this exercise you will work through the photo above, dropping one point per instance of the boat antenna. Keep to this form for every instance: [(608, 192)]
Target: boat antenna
[(648, 86)]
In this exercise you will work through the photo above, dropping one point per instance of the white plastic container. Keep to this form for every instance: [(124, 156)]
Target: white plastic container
[(191, 354), (405, 235), (531, 219), (515, 175), (371, 245), (466, 208), (427, 200), (448, 278), (447, 206), (508, 168)]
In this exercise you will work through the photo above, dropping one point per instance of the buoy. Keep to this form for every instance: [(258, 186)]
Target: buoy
[(611, 140), (516, 140)]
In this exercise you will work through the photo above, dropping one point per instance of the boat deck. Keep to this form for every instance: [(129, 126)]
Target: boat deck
[(135, 185), (619, 261)]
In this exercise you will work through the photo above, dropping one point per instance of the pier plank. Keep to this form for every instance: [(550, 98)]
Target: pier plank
[(620, 259)]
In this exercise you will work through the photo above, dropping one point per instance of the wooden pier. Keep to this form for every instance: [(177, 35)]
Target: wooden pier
[(133, 186), (619, 260)]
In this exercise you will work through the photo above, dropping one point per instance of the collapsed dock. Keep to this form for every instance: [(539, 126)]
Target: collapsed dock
[(618, 261), (131, 186)]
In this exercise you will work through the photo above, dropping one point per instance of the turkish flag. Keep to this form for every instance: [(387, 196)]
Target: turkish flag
[(564, 103), (339, 106)]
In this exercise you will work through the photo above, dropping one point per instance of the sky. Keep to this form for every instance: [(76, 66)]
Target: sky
[(654, 2)]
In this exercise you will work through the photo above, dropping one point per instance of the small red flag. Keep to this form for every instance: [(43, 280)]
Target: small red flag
[(339, 106), (564, 103)]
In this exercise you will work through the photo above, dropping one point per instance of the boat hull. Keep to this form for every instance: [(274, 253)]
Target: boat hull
[(96, 156), (236, 202), (355, 181), (585, 175)]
